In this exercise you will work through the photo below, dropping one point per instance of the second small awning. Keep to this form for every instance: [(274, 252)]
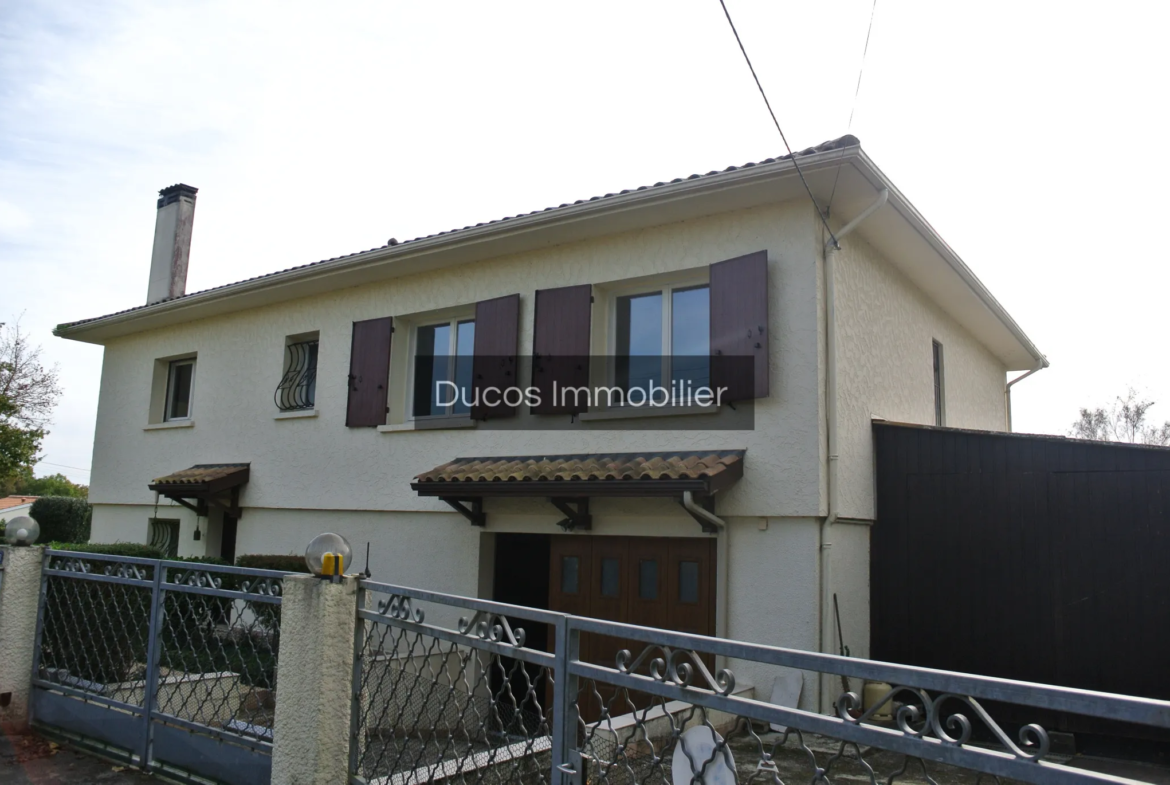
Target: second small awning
[(205, 484), (580, 477)]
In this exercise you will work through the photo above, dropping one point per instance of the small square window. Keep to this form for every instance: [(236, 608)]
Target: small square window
[(441, 366), (180, 384), (298, 385)]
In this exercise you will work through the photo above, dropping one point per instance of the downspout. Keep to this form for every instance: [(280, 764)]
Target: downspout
[(1041, 364), (722, 546), (826, 544)]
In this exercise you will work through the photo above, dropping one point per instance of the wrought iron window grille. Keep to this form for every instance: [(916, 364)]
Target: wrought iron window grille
[(298, 387)]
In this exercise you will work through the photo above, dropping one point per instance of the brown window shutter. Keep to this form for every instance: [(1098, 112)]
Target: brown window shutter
[(369, 371), (560, 346), (497, 335), (739, 327)]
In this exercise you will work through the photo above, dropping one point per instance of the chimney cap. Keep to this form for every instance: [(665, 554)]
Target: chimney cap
[(172, 193)]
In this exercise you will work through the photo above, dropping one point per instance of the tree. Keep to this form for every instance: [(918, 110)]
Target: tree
[(1124, 421), (28, 394), (53, 485)]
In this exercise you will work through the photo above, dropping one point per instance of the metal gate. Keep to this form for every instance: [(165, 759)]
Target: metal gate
[(166, 665)]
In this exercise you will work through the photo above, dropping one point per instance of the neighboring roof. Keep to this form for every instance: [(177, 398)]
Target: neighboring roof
[(207, 477), (626, 474), (839, 167), (8, 502)]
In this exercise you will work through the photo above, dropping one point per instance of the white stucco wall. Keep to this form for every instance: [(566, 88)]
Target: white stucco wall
[(885, 326), (317, 463)]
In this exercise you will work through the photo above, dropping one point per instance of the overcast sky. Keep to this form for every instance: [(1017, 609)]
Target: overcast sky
[(1027, 134)]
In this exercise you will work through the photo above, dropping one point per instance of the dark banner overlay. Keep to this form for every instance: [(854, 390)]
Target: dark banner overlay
[(643, 392)]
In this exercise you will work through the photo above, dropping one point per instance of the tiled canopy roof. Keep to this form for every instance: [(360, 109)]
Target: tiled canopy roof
[(834, 144), (637, 473), (221, 475)]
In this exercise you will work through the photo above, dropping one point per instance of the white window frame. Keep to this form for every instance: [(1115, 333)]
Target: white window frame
[(168, 398), (453, 322), (667, 291)]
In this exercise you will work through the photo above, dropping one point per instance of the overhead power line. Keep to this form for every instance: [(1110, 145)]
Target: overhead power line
[(856, 93), (63, 466), (776, 122)]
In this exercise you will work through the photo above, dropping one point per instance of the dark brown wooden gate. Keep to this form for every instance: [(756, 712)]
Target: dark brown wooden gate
[(1029, 557)]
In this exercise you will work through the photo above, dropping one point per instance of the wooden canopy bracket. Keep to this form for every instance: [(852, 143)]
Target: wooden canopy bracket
[(708, 504), (575, 520), (228, 501), (475, 514)]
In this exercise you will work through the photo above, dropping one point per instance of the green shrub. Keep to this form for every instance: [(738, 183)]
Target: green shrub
[(281, 562), (62, 518), (136, 549)]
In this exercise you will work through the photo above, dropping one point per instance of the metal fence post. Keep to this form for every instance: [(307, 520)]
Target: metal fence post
[(150, 689), (356, 708), (566, 762)]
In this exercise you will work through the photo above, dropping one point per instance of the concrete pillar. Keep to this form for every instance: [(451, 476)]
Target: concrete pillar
[(20, 589), (311, 733)]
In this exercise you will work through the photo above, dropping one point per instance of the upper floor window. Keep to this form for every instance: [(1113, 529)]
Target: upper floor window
[(298, 384), (940, 409), (662, 339), (180, 384), (441, 366)]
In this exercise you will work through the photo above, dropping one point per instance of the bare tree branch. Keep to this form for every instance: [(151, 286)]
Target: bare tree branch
[(1125, 421), (28, 390)]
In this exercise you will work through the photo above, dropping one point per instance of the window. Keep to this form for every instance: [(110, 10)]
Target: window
[(180, 382), (662, 339), (940, 410), (610, 577), (164, 535), (688, 582), (298, 385), (441, 366)]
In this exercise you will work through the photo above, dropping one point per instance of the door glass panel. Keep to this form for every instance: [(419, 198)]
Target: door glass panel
[(688, 581), (610, 580), (648, 579), (570, 567)]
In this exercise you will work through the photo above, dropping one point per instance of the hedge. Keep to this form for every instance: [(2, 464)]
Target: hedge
[(136, 549), (281, 562), (62, 518)]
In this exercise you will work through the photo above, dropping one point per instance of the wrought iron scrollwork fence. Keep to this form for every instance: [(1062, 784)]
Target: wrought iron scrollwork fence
[(452, 689)]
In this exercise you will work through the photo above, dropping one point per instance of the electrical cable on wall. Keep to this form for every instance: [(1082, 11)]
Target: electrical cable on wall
[(768, 104)]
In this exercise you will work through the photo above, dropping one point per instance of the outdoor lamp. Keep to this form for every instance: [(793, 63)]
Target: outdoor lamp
[(328, 555), (22, 530)]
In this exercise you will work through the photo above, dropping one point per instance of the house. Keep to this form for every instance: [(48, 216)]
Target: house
[(14, 506), (320, 398)]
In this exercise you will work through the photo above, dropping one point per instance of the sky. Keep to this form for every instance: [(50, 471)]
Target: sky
[(1026, 133)]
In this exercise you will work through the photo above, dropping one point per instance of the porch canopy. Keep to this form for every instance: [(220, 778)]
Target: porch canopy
[(574, 479), (207, 484)]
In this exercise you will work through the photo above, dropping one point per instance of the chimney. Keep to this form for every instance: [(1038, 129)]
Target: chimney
[(172, 243)]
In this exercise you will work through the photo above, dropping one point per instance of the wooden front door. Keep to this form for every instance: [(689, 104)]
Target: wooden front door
[(665, 582)]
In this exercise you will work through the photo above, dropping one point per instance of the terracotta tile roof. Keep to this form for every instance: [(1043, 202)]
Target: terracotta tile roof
[(834, 144), (9, 502), (635, 467), (204, 473)]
